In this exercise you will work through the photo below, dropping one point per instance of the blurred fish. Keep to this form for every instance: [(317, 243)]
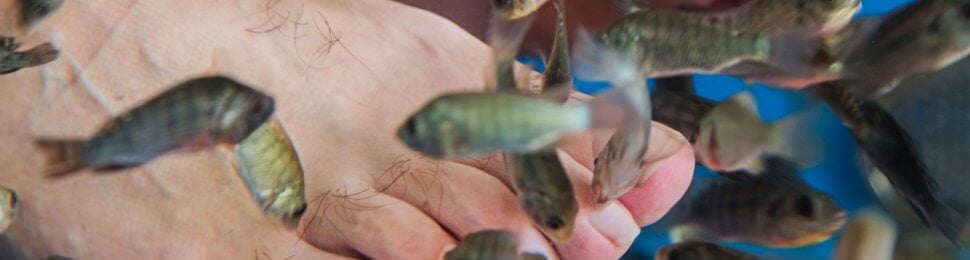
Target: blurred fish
[(665, 44), (8, 208), (192, 115), (469, 124), (804, 16), (761, 212), (869, 235), (510, 20), (489, 245), (733, 137), (700, 250), (271, 169), (545, 192), (12, 60), (618, 168), (539, 179), (925, 35), (557, 73), (679, 110), (891, 150), (33, 12)]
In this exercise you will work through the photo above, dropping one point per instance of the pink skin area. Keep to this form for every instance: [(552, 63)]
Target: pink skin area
[(368, 195)]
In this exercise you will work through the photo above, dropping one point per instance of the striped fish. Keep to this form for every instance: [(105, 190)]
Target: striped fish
[(269, 165), (194, 114)]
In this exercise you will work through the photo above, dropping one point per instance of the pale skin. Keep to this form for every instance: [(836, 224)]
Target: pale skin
[(369, 196)]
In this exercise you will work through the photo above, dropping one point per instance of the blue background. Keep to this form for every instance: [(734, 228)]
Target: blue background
[(837, 175)]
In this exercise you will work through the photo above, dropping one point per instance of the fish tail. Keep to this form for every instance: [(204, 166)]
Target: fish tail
[(595, 61), (42, 54), (946, 219), (62, 156), (797, 54), (794, 138)]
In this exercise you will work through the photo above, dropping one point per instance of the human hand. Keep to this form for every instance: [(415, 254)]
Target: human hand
[(341, 102)]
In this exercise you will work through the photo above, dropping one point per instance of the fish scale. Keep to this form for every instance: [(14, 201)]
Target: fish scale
[(659, 40), (270, 167)]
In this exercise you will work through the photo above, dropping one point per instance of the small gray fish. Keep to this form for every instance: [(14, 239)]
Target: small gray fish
[(681, 111), (32, 12), (675, 43), (774, 16), (469, 124), (923, 36), (8, 208), (12, 60), (870, 234), (545, 192), (192, 115), (761, 212), (892, 151), (618, 168), (700, 250), (557, 73), (271, 169), (489, 245)]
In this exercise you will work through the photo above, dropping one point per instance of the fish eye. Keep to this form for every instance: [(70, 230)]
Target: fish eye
[(804, 206), (299, 211), (409, 127), (13, 200), (257, 107), (555, 222), (42, 10)]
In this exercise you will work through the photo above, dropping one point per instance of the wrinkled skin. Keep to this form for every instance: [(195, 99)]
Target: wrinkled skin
[(340, 114)]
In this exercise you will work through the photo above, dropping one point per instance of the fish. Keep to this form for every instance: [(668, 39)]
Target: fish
[(510, 21), (700, 250), (680, 111), (923, 36), (490, 245), (619, 167), (870, 234), (12, 60), (761, 212), (545, 193), (8, 208), (192, 115), (270, 166), (558, 72), (539, 179), (811, 17), (666, 44), (32, 12), (58, 257), (733, 137), (891, 150), (462, 124)]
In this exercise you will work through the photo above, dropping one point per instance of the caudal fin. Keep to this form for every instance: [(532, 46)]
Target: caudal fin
[(62, 156), (595, 61), (42, 54), (794, 138)]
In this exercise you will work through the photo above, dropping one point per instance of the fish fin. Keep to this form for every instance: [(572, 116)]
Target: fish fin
[(795, 54), (42, 54), (690, 232), (505, 37), (595, 61), (772, 169), (62, 156), (795, 139), (946, 219), (557, 72), (618, 106)]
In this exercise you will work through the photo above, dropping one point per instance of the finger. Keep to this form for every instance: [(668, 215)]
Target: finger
[(372, 225), (465, 200), (287, 245), (669, 170)]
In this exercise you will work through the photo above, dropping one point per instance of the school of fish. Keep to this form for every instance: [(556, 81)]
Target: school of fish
[(759, 197)]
